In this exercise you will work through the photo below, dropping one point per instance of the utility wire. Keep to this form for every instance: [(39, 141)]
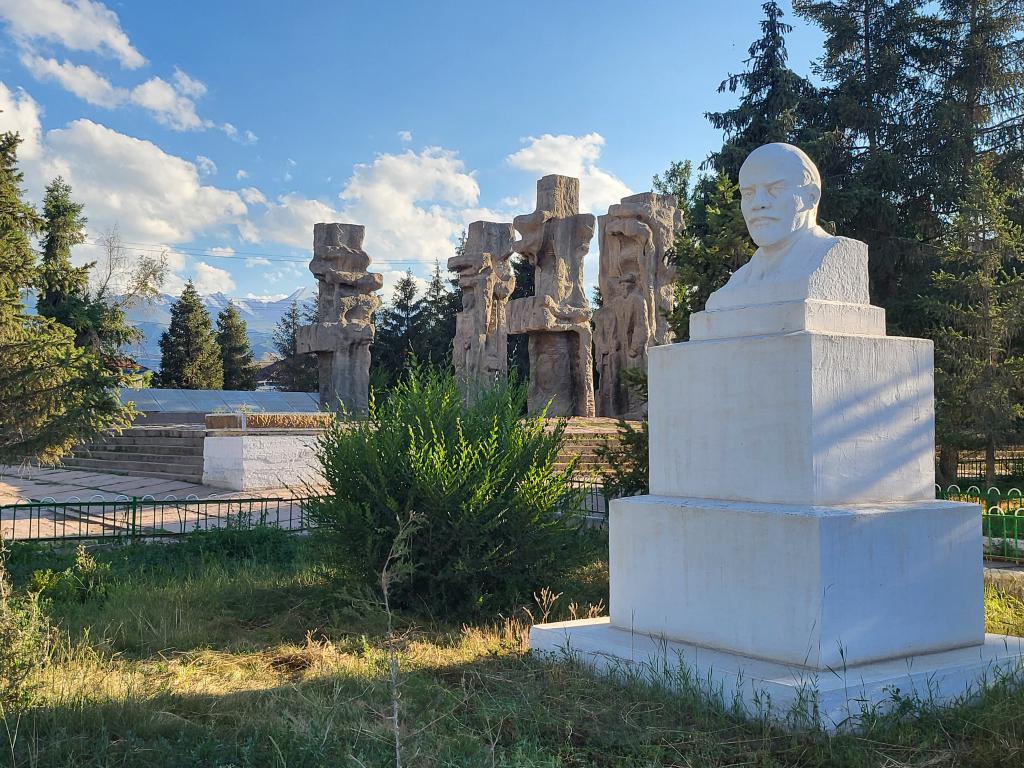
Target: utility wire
[(235, 255)]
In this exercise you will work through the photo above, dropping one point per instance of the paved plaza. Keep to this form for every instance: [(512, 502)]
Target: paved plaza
[(101, 505)]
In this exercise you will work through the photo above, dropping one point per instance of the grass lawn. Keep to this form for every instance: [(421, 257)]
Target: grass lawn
[(199, 655)]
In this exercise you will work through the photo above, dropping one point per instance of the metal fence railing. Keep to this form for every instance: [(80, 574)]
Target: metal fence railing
[(1009, 464), (98, 518), (1002, 518)]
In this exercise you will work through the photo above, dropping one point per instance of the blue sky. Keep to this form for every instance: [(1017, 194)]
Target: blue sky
[(222, 131)]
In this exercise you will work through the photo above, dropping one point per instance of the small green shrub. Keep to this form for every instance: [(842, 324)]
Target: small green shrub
[(493, 520), (24, 640), (86, 579)]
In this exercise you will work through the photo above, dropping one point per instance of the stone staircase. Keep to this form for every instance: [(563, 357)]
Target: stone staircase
[(174, 453), (584, 447)]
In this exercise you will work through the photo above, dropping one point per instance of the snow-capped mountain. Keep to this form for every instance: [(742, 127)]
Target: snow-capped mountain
[(260, 315)]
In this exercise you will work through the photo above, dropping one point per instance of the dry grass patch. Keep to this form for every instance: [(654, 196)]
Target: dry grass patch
[(219, 663)]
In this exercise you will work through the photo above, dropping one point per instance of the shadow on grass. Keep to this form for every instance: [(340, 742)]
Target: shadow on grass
[(476, 705)]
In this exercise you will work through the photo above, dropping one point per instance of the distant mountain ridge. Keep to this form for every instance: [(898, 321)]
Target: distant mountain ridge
[(260, 315)]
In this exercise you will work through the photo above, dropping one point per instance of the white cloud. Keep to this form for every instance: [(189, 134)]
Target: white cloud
[(405, 136), (572, 156), (253, 196), (206, 166), (20, 114), (167, 105), (159, 197), (152, 196), (242, 138), (222, 250), (188, 86), (79, 25), (209, 279), (84, 82), (411, 203), (257, 261), (242, 174), (289, 220)]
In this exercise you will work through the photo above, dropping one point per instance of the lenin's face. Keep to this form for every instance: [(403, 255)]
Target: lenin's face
[(775, 201)]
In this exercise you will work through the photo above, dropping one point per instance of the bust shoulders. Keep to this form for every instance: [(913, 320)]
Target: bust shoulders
[(815, 265)]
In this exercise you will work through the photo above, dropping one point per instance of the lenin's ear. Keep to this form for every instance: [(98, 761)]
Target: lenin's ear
[(810, 194)]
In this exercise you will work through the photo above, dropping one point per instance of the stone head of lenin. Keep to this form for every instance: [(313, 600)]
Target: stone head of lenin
[(780, 188)]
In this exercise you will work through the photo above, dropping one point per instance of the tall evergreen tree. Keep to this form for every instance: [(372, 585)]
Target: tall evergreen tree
[(705, 263), (436, 320), (978, 301), (294, 372), (62, 289), (189, 355), (399, 331), (774, 100), (519, 344), (54, 395), (876, 54), (19, 222), (235, 351), (977, 94)]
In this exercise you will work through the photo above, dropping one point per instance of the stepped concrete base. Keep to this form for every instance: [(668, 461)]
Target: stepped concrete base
[(798, 697)]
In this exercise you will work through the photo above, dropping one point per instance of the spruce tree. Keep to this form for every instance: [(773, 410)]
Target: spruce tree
[(189, 356), (978, 302), (976, 95), (774, 100), (53, 394), (878, 54), (436, 320), (63, 289), (705, 263), (19, 222), (235, 351), (294, 372), (399, 331)]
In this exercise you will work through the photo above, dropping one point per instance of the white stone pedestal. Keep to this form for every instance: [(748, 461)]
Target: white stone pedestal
[(792, 550), (794, 696), (816, 587), (793, 418)]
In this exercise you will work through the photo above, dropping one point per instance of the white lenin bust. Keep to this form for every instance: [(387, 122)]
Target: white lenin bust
[(796, 260)]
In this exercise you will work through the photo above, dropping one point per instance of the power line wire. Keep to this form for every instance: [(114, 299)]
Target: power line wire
[(235, 255)]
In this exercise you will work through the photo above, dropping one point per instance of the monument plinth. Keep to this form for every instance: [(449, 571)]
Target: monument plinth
[(792, 549)]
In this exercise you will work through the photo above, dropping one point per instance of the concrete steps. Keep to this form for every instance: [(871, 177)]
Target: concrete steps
[(162, 452), (583, 448)]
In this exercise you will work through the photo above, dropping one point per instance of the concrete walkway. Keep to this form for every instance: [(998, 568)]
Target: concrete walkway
[(18, 484), (100, 507)]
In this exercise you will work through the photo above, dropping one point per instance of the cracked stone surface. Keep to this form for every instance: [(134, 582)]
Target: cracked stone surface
[(554, 240), (636, 281), (346, 303)]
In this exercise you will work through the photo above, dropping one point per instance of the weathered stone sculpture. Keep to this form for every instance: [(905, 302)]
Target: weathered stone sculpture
[(479, 350), (342, 337), (554, 240), (636, 292)]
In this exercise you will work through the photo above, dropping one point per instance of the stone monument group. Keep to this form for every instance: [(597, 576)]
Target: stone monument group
[(635, 279)]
